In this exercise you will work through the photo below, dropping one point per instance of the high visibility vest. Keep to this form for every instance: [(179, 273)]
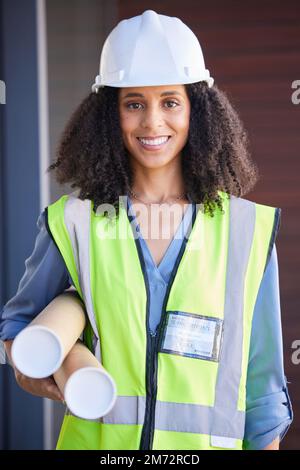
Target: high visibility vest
[(183, 387)]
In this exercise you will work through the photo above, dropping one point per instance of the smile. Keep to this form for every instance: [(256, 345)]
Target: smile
[(153, 144)]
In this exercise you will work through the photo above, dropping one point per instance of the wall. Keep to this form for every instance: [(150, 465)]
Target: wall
[(19, 199)]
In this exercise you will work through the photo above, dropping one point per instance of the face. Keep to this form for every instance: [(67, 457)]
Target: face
[(154, 123)]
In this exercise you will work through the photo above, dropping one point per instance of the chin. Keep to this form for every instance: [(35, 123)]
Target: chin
[(155, 163)]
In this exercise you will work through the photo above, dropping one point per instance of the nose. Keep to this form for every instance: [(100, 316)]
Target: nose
[(152, 118)]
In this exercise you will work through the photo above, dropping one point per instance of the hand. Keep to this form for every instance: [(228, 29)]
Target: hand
[(46, 387)]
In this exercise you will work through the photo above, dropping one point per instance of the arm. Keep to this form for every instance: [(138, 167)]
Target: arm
[(44, 279), (268, 407)]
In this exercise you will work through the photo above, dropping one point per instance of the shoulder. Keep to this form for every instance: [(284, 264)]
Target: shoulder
[(69, 206), (61, 200), (266, 223), (243, 200), (265, 215)]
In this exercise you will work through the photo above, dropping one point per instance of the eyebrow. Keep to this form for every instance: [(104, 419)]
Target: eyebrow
[(165, 93)]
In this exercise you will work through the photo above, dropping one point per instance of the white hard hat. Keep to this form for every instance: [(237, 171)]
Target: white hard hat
[(148, 50)]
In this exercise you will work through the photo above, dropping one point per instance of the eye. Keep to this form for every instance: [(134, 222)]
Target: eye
[(172, 101), (128, 105)]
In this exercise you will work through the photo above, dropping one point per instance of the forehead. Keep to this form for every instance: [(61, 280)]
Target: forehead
[(153, 91)]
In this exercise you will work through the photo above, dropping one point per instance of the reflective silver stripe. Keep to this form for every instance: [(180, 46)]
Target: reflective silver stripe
[(227, 419), (179, 417), (127, 410), (80, 212), (185, 417)]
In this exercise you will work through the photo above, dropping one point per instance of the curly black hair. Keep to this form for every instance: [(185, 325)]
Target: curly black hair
[(92, 157)]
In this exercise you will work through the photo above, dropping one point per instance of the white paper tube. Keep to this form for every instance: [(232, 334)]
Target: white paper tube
[(40, 348), (89, 390)]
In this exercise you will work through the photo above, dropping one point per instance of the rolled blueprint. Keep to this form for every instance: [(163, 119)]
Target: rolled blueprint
[(89, 390), (41, 347)]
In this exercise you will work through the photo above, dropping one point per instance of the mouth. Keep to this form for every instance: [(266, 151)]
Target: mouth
[(153, 144)]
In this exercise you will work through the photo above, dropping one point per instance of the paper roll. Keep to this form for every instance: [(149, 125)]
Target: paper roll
[(40, 348), (89, 390)]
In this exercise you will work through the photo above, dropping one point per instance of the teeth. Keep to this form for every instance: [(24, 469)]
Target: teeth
[(159, 141)]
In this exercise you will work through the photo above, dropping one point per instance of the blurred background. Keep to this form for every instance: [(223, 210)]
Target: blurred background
[(49, 57)]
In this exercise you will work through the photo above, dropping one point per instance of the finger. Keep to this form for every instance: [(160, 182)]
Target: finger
[(53, 391)]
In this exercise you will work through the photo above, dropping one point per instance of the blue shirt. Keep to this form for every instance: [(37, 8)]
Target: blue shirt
[(268, 407)]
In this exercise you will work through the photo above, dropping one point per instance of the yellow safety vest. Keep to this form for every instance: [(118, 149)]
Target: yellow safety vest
[(183, 387)]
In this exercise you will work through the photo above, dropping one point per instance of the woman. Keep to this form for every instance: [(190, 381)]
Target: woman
[(176, 277)]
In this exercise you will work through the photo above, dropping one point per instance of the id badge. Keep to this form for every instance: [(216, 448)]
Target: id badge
[(191, 335)]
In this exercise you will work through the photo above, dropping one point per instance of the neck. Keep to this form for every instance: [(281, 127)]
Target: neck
[(158, 184)]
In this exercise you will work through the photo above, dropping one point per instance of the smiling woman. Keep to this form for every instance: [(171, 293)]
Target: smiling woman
[(187, 325), (101, 149), (108, 148)]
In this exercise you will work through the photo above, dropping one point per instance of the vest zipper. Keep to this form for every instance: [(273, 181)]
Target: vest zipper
[(147, 435), (155, 337), (148, 431)]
